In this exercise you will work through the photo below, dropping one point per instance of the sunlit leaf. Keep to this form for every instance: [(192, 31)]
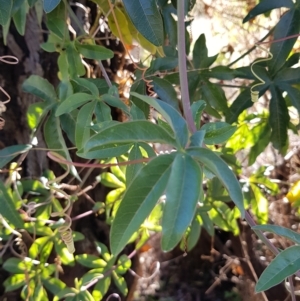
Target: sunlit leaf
[(8, 209)]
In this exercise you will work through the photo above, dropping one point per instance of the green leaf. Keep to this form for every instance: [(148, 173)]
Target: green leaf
[(281, 231), (49, 5), (170, 24), (40, 87), (288, 25), (224, 217), (76, 67), (14, 282), (217, 132), (38, 245), (194, 233), (20, 18), (110, 180), (217, 166), (85, 295), (115, 102), (7, 154), (293, 93), (139, 200), (164, 64), (200, 54), (260, 205), (133, 131), (241, 103), (146, 17), (54, 140), (165, 92), (214, 95), (8, 209), (140, 87), (197, 108), (65, 89), (173, 117), (54, 285), (35, 112), (132, 169), (279, 119), (120, 283), (182, 195), (84, 119), (17, 265), (68, 124), (285, 264), (58, 27), (72, 102), (265, 6), (90, 261), (287, 76), (197, 138), (39, 293), (5, 11), (95, 52), (123, 264), (87, 85), (66, 257), (106, 151), (92, 275), (102, 112), (263, 139), (207, 223), (101, 288), (219, 72)]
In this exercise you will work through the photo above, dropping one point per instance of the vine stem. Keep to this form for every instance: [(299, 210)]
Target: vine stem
[(185, 97)]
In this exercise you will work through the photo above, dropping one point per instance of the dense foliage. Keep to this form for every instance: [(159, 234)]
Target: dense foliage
[(174, 102)]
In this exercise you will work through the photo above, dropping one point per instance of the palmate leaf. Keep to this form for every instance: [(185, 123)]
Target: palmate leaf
[(139, 200), (182, 195), (218, 167), (285, 264)]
